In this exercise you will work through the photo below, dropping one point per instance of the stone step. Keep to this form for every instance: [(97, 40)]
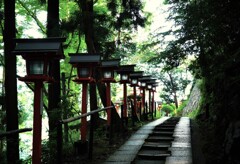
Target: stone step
[(170, 121), (159, 138), (156, 146), (171, 129), (163, 143), (141, 161), (166, 125), (162, 133), (154, 154)]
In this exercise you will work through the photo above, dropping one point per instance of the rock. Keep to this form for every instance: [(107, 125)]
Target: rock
[(194, 100)]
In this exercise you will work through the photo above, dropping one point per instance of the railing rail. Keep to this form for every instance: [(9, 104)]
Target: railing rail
[(84, 115), (12, 132)]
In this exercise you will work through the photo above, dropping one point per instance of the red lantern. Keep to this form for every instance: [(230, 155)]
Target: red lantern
[(39, 54), (108, 67), (84, 63), (124, 71), (134, 77)]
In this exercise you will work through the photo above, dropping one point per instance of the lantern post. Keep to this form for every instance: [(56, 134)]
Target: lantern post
[(153, 98), (134, 83), (124, 71), (38, 54), (108, 67), (143, 84), (85, 65), (149, 88)]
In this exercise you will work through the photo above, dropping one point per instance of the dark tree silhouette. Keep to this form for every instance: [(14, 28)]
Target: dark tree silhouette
[(10, 81), (54, 114)]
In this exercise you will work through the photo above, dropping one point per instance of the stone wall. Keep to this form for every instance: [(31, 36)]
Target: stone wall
[(194, 100)]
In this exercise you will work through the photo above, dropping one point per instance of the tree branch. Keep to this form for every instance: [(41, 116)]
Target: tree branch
[(33, 15)]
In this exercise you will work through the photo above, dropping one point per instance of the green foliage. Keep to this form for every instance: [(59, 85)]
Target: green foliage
[(69, 105), (129, 15), (29, 12), (181, 107), (194, 113), (3, 152), (158, 114), (110, 20), (168, 109), (46, 151), (175, 82)]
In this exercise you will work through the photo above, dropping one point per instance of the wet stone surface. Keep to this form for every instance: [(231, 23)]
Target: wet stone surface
[(177, 150), (128, 151)]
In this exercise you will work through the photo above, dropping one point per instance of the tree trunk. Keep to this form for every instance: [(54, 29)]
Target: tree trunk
[(175, 100), (64, 94), (10, 81), (114, 114), (87, 8), (54, 89), (173, 90)]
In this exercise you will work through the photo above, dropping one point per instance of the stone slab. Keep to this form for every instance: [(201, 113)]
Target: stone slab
[(179, 160), (128, 151)]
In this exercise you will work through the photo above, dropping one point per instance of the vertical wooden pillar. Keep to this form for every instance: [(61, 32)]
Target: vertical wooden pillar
[(135, 99), (83, 128), (143, 101), (149, 102), (134, 105), (108, 98), (125, 114), (153, 109), (37, 124)]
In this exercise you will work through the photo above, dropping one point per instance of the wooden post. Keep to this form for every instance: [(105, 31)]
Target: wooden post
[(91, 135), (108, 98), (64, 110), (149, 102), (153, 109), (83, 128), (125, 114), (143, 102), (140, 110), (109, 112), (134, 113), (37, 123)]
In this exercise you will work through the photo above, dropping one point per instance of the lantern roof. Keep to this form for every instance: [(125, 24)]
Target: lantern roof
[(136, 74), (145, 78), (112, 63), (41, 46), (151, 81), (126, 69), (79, 58)]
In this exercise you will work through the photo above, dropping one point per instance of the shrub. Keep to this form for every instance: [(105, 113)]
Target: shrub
[(181, 107), (168, 109)]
